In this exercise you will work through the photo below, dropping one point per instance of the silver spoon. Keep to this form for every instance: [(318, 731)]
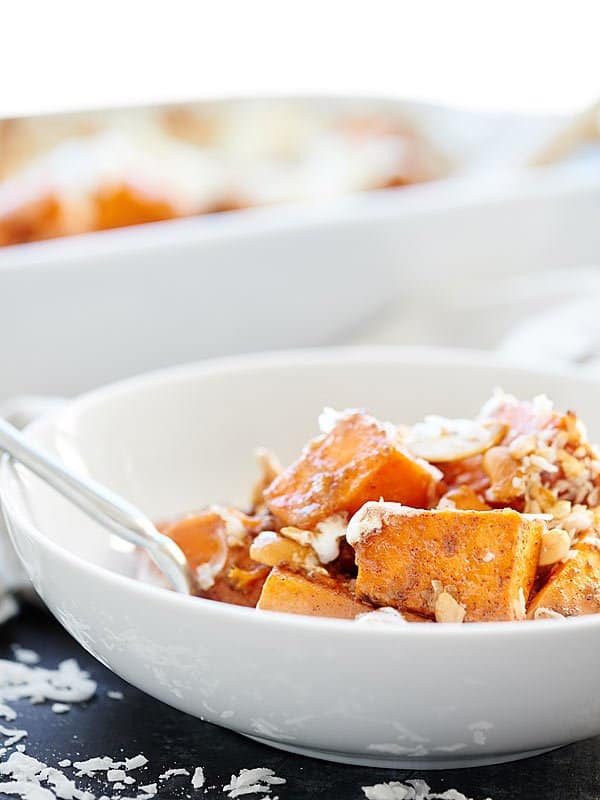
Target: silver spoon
[(102, 505)]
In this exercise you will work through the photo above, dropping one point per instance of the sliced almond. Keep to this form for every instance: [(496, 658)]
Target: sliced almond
[(274, 550), (270, 468), (447, 609), (555, 546), (440, 440), (504, 474)]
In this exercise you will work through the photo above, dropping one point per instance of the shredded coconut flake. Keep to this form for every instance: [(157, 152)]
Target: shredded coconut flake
[(14, 735), (66, 684), (381, 616), (198, 778), (411, 790), (115, 695), (252, 781), (136, 762), (60, 708), (25, 656), (171, 773)]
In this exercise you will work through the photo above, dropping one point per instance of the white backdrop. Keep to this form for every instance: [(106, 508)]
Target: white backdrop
[(535, 55)]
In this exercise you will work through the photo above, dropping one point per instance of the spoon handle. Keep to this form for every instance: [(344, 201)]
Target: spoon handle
[(101, 504)]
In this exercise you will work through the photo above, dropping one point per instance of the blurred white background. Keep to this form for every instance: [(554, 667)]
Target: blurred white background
[(533, 55)]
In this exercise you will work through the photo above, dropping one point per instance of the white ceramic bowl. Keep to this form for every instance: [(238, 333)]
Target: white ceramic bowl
[(414, 696)]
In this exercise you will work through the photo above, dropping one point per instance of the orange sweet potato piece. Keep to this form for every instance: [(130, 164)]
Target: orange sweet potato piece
[(466, 472), (315, 596), (354, 463), (201, 536), (463, 497), (130, 204), (487, 560), (573, 587), (203, 539)]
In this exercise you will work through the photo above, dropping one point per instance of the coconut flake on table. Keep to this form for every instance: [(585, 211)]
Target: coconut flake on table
[(96, 764), (171, 773), (60, 708), (252, 781), (66, 684), (9, 607), (136, 762), (7, 713), (115, 695), (25, 656), (14, 735), (411, 790), (198, 778)]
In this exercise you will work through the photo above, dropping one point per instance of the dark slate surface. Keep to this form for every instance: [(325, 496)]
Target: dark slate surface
[(168, 738)]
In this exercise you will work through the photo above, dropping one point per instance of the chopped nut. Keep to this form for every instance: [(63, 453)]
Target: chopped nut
[(572, 467), (504, 474), (546, 613), (555, 546), (270, 468), (274, 550), (523, 446), (447, 609)]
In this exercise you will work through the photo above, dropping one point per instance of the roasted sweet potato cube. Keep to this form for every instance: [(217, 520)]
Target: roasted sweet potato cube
[(201, 537), (487, 560), (315, 595), (463, 497), (356, 462), (573, 587), (225, 570), (128, 203)]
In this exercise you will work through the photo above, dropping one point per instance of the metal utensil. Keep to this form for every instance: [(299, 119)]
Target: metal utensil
[(102, 505)]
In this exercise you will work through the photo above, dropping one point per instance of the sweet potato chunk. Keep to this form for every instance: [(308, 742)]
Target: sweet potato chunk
[(573, 588), (315, 596), (354, 463), (463, 497), (486, 560), (129, 204), (225, 570)]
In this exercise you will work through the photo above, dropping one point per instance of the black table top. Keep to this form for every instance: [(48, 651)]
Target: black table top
[(169, 738)]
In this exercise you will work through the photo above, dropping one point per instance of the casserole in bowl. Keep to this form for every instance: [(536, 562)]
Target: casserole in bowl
[(411, 695)]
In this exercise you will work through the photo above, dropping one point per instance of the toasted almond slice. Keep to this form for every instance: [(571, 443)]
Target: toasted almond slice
[(440, 440), (274, 550), (555, 546), (270, 467), (447, 609)]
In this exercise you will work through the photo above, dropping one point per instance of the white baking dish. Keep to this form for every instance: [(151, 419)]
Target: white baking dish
[(80, 311)]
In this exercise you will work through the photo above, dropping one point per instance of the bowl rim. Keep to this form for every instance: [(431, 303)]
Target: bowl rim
[(283, 359)]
